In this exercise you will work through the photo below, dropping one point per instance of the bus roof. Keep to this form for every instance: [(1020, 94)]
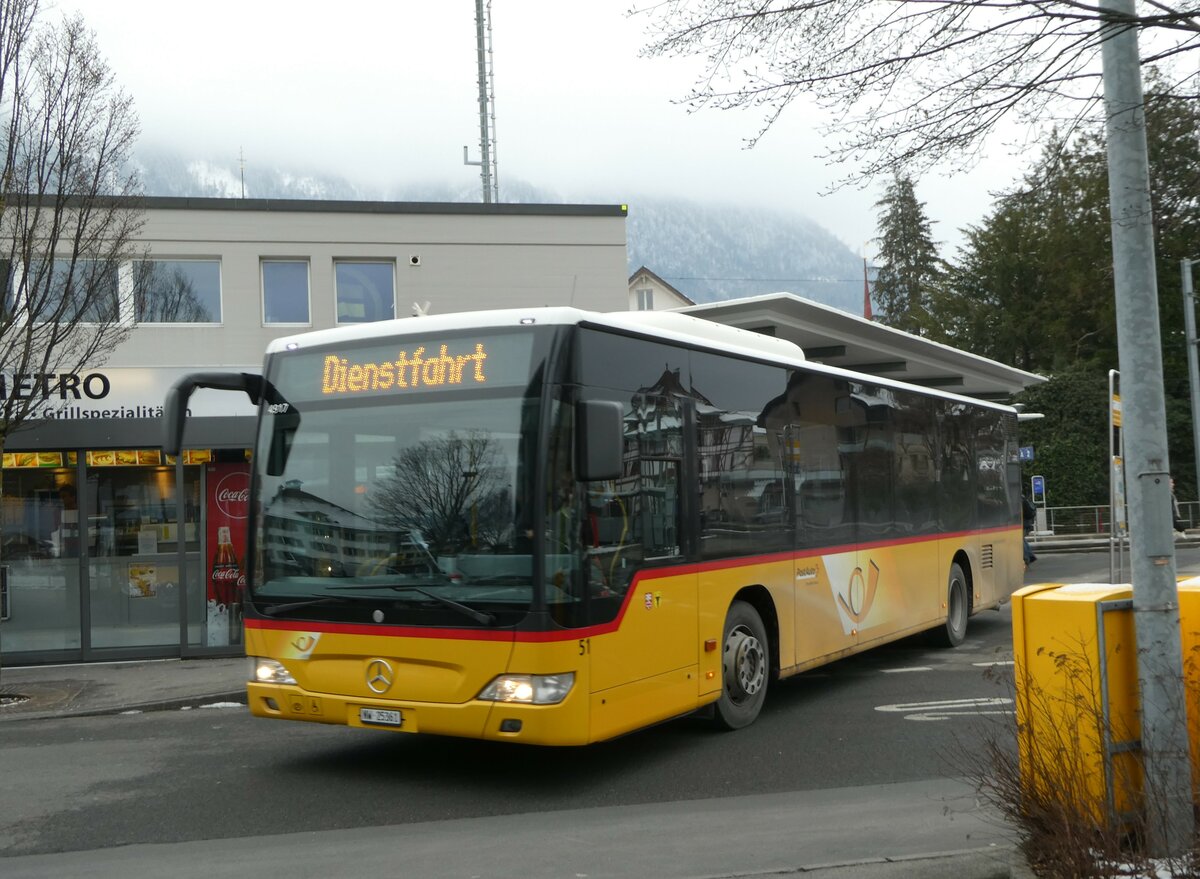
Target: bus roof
[(666, 326)]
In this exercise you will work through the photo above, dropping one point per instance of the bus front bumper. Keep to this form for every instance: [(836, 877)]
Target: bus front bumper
[(565, 723)]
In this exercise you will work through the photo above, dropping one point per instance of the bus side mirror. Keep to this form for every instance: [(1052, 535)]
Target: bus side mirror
[(283, 432), (175, 405), (599, 439)]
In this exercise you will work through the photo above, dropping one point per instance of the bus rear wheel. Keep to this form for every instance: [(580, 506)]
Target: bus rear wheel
[(745, 667), (958, 609)]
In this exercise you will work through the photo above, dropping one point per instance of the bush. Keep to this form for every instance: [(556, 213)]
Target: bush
[(1076, 815)]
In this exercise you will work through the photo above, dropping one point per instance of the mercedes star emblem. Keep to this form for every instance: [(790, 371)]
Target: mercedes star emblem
[(379, 675)]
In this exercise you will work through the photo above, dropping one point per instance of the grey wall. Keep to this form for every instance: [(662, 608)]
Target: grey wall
[(472, 257)]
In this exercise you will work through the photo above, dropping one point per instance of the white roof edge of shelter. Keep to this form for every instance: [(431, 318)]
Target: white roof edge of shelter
[(662, 325), (847, 318)]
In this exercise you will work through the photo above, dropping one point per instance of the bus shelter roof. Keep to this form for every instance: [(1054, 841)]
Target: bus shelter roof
[(839, 338)]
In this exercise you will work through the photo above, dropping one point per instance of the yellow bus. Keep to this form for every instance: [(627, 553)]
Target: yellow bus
[(553, 526)]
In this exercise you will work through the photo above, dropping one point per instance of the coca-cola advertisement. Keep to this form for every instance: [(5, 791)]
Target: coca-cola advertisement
[(228, 502)]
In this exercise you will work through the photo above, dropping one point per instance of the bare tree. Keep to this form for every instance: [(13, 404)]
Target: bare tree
[(67, 215), (910, 83), (444, 485)]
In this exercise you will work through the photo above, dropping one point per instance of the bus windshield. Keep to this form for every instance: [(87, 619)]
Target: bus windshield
[(405, 498)]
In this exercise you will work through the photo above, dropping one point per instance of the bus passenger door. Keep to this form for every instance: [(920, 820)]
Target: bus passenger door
[(636, 552), (826, 556)]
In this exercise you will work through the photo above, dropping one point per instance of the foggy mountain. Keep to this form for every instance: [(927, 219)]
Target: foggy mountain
[(709, 252)]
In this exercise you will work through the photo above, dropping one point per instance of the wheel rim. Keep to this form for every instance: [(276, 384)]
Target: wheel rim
[(745, 664), (958, 606)]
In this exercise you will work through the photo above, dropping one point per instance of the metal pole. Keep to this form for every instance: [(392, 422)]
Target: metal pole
[(1189, 329), (485, 142), (491, 81), (1114, 533), (1123, 533), (1169, 818)]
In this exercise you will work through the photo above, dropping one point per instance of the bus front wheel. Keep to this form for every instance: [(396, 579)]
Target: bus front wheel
[(745, 667), (958, 608)]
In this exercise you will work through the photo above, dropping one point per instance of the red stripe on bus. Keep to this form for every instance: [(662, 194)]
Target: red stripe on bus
[(615, 623)]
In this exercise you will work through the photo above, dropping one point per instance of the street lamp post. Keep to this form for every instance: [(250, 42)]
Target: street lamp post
[(1170, 824)]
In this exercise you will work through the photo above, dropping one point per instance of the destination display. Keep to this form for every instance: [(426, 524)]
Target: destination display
[(405, 367), (343, 375)]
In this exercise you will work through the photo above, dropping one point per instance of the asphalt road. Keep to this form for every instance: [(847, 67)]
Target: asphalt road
[(906, 713)]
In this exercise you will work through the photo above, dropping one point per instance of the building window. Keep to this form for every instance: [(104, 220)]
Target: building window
[(285, 291), (645, 299), (10, 289), (177, 291), (366, 291), (63, 290)]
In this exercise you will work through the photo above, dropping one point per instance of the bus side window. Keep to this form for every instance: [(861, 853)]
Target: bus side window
[(915, 465), (741, 412), (956, 471), (819, 412)]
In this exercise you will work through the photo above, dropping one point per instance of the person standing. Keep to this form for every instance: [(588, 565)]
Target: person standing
[(1177, 520)]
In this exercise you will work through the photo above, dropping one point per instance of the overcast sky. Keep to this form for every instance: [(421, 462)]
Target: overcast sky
[(386, 92)]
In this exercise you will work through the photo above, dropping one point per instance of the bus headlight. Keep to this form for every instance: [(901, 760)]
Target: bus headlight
[(269, 671), (529, 689)]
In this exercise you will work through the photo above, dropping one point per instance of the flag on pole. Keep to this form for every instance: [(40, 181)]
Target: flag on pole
[(866, 293)]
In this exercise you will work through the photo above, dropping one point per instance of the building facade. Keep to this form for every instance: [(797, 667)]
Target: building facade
[(113, 550), (649, 292)]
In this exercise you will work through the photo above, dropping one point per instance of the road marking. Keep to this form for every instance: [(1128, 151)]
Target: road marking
[(947, 708), (990, 664), (900, 671)]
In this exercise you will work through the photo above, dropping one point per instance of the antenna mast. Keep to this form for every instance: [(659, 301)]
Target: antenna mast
[(487, 104)]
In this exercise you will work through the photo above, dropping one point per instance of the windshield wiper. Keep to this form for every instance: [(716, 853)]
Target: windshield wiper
[(277, 609), (478, 616)]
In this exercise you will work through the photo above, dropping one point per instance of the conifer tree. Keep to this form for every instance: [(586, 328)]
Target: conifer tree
[(910, 268)]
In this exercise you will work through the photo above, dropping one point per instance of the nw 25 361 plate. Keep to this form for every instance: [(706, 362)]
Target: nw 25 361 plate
[(380, 716)]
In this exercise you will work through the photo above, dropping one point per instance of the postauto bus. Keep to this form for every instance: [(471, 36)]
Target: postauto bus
[(554, 526)]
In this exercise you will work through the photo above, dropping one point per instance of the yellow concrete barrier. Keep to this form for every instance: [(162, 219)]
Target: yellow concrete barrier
[(1075, 662)]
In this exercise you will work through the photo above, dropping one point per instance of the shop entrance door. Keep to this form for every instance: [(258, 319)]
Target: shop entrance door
[(133, 531)]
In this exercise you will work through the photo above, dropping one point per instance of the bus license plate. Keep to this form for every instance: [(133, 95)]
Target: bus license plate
[(380, 716)]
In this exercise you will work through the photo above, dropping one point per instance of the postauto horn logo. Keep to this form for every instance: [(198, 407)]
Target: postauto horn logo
[(859, 596)]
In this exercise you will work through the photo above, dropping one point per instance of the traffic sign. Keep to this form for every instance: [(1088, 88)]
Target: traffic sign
[(1025, 453)]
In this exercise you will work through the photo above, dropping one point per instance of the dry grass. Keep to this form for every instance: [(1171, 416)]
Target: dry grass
[(1076, 801)]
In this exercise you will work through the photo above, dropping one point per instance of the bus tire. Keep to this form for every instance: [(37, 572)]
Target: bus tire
[(958, 609), (745, 667)]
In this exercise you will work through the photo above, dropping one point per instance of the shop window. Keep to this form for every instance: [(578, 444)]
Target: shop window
[(177, 291), (40, 518), (366, 291), (39, 549), (285, 291)]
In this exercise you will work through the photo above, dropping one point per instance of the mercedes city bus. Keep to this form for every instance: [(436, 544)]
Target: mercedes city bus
[(553, 526)]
